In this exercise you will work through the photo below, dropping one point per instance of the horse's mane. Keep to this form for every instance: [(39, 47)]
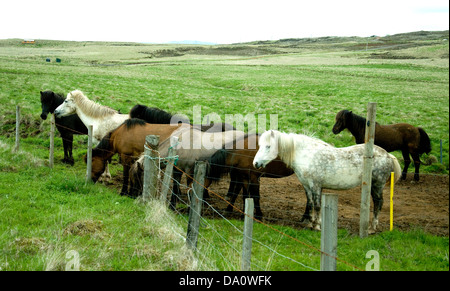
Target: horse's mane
[(90, 107), (132, 122), (286, 147), (151, 114)]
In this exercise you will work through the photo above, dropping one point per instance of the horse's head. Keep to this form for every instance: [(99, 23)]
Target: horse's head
[(341, 121), (268, 149), (47, 102), (68, 107), (98, 167)]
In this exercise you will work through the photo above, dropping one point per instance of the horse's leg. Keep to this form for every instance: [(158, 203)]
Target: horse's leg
[(376, 192), (106, 176), (416, 159), (126, 176), (307, 218), (176, 192), (407, 161), (67, 139), (317, 197), (233, 190), (254, 193)]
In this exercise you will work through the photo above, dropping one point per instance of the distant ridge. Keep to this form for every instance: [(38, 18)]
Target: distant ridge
[(192, 42)]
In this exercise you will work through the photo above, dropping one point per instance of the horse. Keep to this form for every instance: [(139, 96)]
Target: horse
[(409, 139), (102, 118), (193, 145), (67, 126), (319, 165), (237, 160), (159, 116), (128, 141)]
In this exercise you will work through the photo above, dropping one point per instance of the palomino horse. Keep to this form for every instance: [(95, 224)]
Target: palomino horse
[(193, 145), (238, 161), (320, 165), (128, 141), (409, 139), (67, 126)]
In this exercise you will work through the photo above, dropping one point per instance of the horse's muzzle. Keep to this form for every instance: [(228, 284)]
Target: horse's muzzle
[(257, 165), (44, 116)]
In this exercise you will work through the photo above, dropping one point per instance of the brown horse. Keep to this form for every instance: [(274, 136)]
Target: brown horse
[(237, 160), (409, 139), (128, 141)]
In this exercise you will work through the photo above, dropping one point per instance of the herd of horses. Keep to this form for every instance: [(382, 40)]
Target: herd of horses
[(316, 164)]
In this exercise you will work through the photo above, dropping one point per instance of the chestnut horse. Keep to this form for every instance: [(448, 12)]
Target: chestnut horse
[(128, 141), (409, 139), (237, 160)]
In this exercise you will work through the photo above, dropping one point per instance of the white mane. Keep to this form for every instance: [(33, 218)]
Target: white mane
[(90, 107)]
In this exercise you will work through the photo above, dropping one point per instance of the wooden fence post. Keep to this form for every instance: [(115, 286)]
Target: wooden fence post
[(328, 239), (51, 157), (169, 168), (151, 167), (196, 205), (89, 155), (17, 146), (248, 235), (367, 171)]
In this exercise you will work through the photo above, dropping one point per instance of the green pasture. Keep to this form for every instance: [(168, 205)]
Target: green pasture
[(47, 212)]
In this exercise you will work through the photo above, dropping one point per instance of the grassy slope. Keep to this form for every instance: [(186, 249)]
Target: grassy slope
[(306, 85)]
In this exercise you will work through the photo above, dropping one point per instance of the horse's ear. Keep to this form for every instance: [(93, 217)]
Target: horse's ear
[(272, 133)]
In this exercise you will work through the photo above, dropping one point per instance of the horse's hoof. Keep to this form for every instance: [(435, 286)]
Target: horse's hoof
[(416, 177), (403, 176)]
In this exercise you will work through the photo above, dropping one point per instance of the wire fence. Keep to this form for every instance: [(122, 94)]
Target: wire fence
[(217, 242)]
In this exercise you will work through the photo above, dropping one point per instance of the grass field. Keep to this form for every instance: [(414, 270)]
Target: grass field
[(45, 213)]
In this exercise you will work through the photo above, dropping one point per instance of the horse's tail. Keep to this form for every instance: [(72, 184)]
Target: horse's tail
[(216, 165), (425, 144), (397, 169)]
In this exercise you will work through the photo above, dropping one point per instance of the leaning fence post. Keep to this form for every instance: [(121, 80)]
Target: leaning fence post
[(367, 171), (151, 167), (169, 168), (196, 205), (52, 141), (248, 235), (89, 155), (328, 239), (17, 146)]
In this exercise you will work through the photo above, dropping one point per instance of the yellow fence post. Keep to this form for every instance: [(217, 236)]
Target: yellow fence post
[(392, 202)]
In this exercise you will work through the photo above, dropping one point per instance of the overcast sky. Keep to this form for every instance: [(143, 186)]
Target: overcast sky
[(225, 21)]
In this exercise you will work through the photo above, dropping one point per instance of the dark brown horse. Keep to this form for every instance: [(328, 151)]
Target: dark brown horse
[(237, 160), (128, 141), (409, 139)]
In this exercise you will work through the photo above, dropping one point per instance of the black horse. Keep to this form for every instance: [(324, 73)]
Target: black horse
[(67, 126)]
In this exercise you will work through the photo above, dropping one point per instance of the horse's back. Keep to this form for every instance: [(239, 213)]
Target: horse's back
[(397, 136)]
